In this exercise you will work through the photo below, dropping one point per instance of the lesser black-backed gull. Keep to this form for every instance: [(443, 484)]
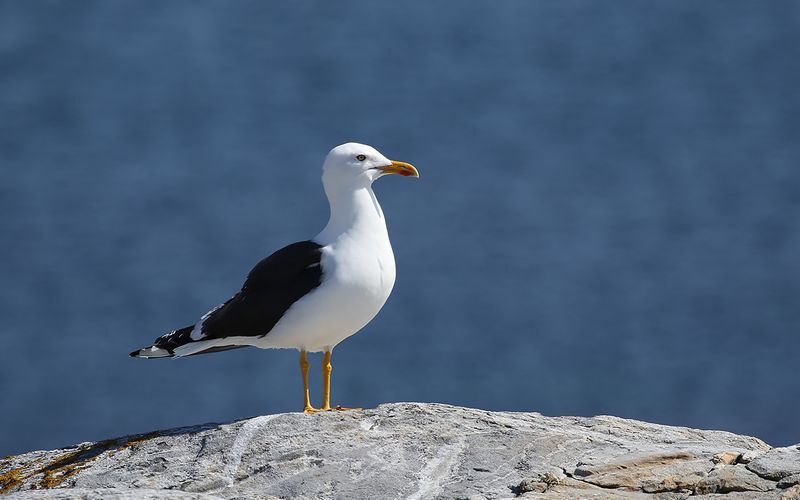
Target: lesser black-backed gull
[(313, 294)]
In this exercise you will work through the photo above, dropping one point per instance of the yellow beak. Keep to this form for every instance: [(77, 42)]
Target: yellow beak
[(402, 168)]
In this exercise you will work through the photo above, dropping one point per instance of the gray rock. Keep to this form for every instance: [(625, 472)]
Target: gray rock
[(789, 481), (113, 494), (409, 450), (727, 479), (777, 463), (792, 493)]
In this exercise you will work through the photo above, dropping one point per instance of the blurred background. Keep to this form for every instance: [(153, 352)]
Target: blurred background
[(608, 219)]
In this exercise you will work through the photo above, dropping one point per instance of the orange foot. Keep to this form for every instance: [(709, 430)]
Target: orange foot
[(311, 409)]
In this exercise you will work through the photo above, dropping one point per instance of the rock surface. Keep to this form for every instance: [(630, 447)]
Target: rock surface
[(414, 451)]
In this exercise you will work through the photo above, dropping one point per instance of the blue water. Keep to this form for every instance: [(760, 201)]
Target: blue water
[(608, 219)]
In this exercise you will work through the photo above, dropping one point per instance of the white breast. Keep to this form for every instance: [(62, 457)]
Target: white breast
[(358, 275)]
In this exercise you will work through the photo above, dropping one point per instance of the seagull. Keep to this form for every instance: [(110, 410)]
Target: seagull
[(313, 294)]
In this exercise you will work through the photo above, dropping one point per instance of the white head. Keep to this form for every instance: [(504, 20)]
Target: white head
[(355, 165)]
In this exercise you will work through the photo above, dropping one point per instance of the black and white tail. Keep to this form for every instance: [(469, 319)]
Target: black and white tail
[(165, 345), (180, 343)]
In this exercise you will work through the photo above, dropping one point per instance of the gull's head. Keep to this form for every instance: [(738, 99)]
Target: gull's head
[(357, 165)]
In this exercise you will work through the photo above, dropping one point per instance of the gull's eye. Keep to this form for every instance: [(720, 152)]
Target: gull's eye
[(361, 157)]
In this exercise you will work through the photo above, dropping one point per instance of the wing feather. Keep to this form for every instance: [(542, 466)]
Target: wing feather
[(270, 289)]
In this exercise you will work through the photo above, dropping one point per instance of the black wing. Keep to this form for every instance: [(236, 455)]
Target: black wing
[(271, 288)]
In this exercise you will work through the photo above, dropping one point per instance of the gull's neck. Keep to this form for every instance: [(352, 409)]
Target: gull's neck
[(355, 212)]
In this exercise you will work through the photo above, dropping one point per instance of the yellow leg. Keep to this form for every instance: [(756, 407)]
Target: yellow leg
[(326, 381), (326, 385), (307, 408)]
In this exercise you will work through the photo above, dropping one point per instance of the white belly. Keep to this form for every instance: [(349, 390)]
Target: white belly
[(358, 278)]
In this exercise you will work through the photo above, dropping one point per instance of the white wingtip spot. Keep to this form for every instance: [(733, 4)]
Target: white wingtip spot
[(197, 333), (153, 352)]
